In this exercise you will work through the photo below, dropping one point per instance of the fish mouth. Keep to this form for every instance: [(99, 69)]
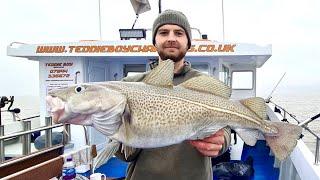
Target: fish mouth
[(56, 107), (60, 113)]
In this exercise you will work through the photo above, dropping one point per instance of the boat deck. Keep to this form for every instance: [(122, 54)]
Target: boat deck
[(262, 161)]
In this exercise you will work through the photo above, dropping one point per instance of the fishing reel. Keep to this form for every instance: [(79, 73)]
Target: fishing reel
[(4, 100)]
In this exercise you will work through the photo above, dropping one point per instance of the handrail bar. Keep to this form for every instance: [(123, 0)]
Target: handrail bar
[(30, 131), (303, 124), (314, 134), (30, 117), (300, 123), (291, 115)]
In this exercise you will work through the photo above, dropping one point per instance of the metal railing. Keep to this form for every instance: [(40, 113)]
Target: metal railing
[(26, 136), (2, 157), (303, 124)]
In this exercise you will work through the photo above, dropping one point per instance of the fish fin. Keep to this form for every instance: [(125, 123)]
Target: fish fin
[(108, 122), (208, 84), (107, 125), (283, 143), (126, 116), (162, 75), (257, 105), (128, 151), (106, 154), (249, 136)]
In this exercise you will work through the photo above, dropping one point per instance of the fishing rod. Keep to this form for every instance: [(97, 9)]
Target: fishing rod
[(269, 97), (305, 122), (300, 123)]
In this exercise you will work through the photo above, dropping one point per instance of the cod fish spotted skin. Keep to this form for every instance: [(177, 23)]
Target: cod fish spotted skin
[(154, 113)]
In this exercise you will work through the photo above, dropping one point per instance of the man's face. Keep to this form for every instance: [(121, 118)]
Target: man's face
[(171, 42)]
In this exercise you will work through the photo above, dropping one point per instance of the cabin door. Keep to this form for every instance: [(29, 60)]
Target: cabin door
[(98, 71)]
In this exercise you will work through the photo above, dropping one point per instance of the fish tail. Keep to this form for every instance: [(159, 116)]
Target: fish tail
[(283, 142)]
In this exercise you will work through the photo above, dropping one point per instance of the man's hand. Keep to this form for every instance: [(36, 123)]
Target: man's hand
[(210, 146)]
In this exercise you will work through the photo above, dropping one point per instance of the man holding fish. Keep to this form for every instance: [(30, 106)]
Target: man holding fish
[(189, 159)]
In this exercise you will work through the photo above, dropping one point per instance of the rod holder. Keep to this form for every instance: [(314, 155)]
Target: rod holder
[(86, 135), (2, 155), (13, 117), (67, 134), (48, 132), (26, 139)]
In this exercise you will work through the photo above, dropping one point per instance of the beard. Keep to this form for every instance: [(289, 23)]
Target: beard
[(174, 58)]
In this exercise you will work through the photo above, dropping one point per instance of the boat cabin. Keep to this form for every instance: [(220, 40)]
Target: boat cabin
[(64, 64)]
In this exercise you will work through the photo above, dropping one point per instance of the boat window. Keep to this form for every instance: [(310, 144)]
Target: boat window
[(242, 80), (133, 73), (224, 75), (204, 68), (133, 69)]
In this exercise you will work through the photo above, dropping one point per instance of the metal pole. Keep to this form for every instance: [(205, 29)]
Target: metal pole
[(0, 115), (14, 116), (76, 78), (159, 4), (100, 21), (222, 21), (26, 140), (86, 135), (48, 132), (316, 156), (67, 134), (2, 155)]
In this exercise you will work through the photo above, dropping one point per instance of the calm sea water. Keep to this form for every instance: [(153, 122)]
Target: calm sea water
[(303, 105)]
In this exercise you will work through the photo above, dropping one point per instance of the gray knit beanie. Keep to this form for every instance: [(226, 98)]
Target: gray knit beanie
[(171, 17)]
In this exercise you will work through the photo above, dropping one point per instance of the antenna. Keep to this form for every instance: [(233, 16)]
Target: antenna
[(222, 8), (100, 21), (134, 23), (159, 4), (269, 97)]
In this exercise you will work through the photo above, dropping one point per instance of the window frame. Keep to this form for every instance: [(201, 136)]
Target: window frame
[(252, 80)]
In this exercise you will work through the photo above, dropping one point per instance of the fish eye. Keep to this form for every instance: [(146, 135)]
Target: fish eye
[(79, 89)]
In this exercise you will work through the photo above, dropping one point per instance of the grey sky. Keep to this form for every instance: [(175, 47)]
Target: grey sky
[(291, 26)]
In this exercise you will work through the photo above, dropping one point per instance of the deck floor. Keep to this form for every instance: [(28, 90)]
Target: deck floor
[(262, 161)]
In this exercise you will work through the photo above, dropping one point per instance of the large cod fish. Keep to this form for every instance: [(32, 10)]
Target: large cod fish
[(154, 113)]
